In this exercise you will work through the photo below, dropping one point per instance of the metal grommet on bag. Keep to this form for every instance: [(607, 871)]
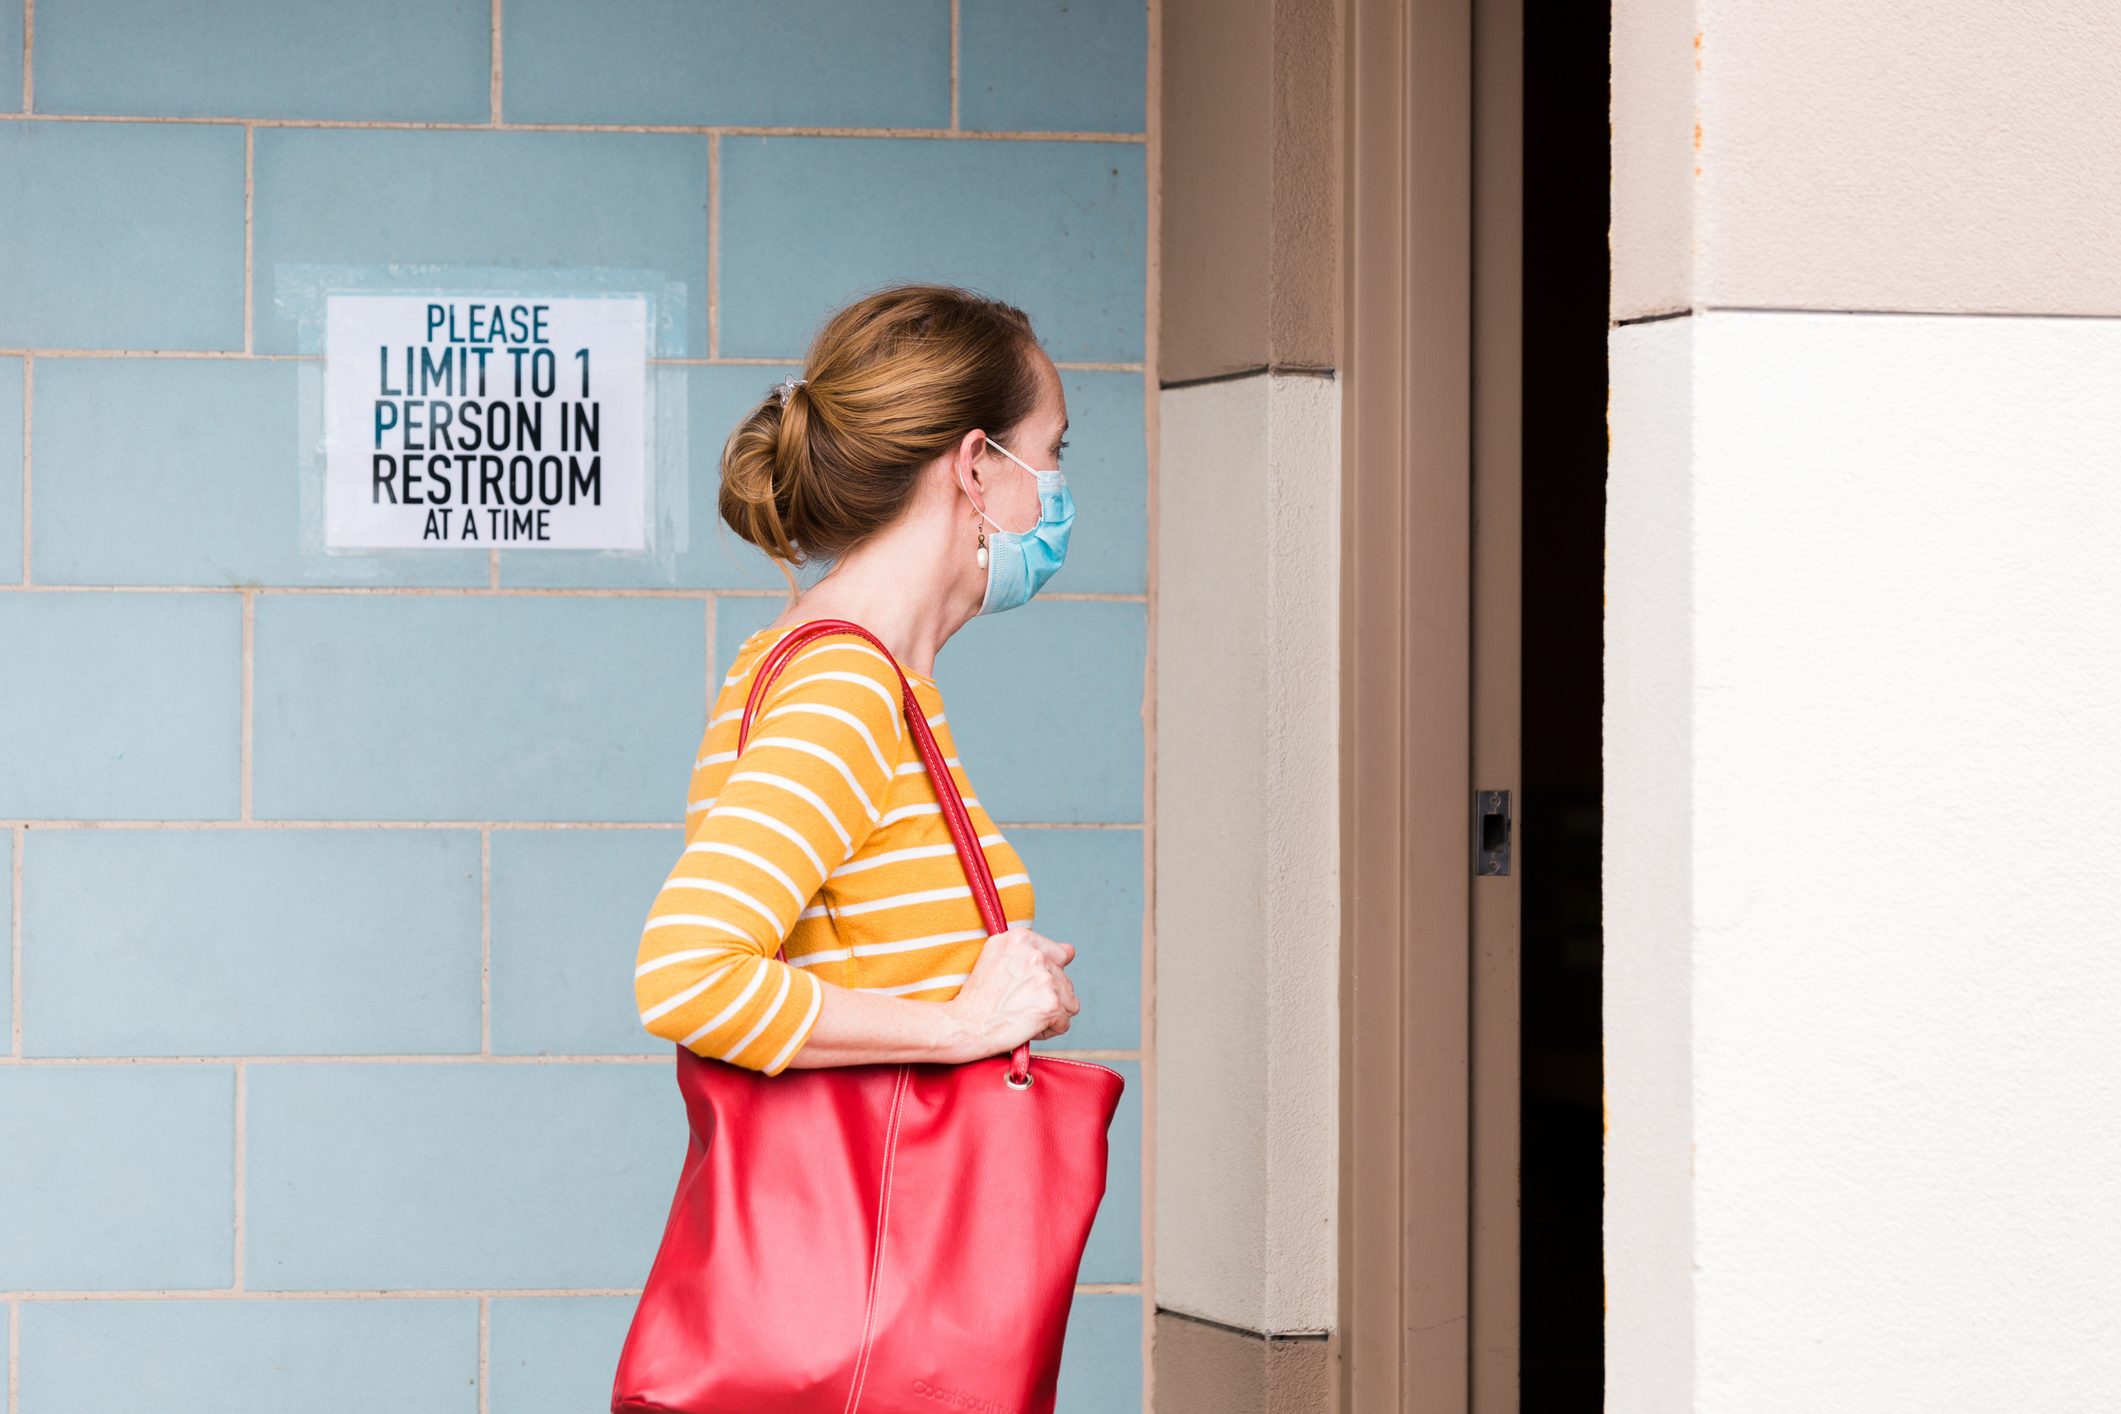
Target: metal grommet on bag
[(1014, 1084)]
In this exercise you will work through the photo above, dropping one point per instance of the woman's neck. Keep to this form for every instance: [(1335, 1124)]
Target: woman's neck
[(899, 591)]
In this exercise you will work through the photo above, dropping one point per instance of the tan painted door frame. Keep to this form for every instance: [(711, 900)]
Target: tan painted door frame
[(1430, 668)]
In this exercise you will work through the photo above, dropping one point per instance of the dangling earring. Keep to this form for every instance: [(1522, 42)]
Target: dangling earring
[(980, 555)]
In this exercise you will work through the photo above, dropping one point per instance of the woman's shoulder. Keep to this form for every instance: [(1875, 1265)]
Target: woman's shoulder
[(831, 656), (836, 679)]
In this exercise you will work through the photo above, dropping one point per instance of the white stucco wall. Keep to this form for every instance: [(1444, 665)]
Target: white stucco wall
[(1647, 865), (1863, 764), (1247, 852)]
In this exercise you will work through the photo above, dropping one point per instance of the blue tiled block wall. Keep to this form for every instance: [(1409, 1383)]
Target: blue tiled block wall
[(321, 874)]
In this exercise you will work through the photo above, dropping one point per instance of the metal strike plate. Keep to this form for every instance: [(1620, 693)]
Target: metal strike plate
[(1491, 832)]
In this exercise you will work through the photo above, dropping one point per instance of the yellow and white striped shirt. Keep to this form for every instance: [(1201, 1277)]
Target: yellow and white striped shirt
[(826, 833)]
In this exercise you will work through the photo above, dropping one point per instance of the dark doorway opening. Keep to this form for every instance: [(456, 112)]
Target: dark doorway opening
[(1567, 185)]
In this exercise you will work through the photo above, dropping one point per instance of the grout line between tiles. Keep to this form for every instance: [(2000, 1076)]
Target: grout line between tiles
[(245, 732), (28, 411), (250, 206), (20, 841), (486, 940), (729, 129), (714, 244), (493, 72), (242, 1101)]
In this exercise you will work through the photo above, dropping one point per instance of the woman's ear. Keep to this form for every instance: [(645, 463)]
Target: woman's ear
[(965, 468)]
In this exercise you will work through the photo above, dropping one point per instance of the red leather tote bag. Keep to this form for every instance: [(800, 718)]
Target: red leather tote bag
[(873, 1239)]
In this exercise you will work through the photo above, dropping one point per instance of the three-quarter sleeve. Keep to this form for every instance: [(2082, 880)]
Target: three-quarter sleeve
[(798, 801)]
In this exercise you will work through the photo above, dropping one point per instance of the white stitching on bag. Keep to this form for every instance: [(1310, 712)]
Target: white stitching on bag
[(876, 1265)]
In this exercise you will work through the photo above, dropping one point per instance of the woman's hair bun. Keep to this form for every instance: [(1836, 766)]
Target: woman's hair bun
[(892, 382)]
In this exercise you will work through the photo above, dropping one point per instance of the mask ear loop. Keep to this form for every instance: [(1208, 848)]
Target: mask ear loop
[(998, 526), (1012, 456)]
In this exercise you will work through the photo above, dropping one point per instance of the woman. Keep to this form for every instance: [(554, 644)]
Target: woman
[(914, 457)]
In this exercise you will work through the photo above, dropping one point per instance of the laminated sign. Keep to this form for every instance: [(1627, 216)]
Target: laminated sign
[(485, 421)]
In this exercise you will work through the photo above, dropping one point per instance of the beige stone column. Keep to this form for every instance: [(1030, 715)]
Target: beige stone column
[(1245, 582)]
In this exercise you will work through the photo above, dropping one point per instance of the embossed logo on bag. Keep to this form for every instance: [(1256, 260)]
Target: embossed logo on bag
[(962, 1399)]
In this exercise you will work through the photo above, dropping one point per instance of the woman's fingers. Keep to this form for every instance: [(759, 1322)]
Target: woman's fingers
[(1051, 956), (1061, 953)]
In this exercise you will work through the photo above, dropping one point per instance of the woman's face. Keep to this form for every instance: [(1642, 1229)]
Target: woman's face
[(1010, 492)]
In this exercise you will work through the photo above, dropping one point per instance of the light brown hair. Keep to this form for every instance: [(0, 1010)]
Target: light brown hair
[(893, 380)]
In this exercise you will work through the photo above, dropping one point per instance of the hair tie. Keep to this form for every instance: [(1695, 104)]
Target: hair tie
[(787, 386)]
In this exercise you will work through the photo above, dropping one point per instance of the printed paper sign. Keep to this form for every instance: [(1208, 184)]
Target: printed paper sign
[(485, 421)]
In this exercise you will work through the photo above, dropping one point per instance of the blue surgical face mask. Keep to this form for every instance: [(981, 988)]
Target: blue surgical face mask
[(1019, 562)]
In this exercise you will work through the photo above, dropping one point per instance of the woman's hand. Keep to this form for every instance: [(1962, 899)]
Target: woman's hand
[(1016, 992)]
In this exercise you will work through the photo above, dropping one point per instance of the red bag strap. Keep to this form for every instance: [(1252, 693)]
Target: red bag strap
[(962, 832)]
